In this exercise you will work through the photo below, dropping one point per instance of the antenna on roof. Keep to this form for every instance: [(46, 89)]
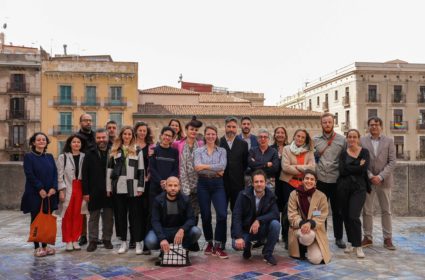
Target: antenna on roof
[(180, 78)]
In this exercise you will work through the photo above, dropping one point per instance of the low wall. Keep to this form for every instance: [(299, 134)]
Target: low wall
[(408, 194)]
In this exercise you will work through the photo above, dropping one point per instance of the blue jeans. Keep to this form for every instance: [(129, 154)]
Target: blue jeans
[(212, 190), (268, 231), (190, 237)]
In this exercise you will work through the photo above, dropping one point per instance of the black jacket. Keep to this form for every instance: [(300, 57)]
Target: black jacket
[(94, 180), (89, 140), (159, 213), (244, 213), (237, 162), (354, 174), (258, 160)]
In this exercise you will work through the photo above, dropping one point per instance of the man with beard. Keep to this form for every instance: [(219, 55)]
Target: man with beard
[(111, 127), (172, 219), (237, 160), (94, 191), (246, 135), (328, 148)]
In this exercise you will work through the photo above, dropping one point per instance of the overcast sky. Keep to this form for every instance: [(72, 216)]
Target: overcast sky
[(270, 46)]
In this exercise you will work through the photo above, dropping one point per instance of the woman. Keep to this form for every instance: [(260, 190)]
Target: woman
[(177, 127), (41, 182), (69, 167), (307, 212), (144, 142), (280, 139), (353, 183), (210, 162), (125, 179)]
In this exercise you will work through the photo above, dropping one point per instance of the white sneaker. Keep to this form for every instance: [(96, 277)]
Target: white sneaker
[(69, 246), (139, 250), (359, 252), (349, 248), (123, 248), (76, 246)]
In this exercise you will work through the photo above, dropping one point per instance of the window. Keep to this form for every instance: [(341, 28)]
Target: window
[(399, 146), (347, 117), (117, 117), (18, 135), (61, 144), (372, 95), (336, 95), (398, 97), (421, 97), (65, 94), (326, 98), (309, 104), (90, 95), (115, 95), (94, 120), (17, 108), (421, 147), (372, 113), (65, 121), (336, 118), (347, 91), (398, 115), (318, 101), (17, 82), (421, 119)]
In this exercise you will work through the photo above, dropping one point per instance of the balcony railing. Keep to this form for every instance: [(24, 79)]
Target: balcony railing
[(403, 156), (398, 98), (421, 99), (373, 98), (110, 102), (420, 155), (346, 101), (15, 146), (325, 106), (18, 87), (345, 126), (17, 115), (58, 101), (90, 102), (420, 125), (399, 126), (64, 130)]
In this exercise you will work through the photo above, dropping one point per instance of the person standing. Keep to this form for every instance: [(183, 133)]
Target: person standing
[(353, 184), (41, 182), (176, 125), (237, 160), (111, 127), (250, 139), (328, 147), (380, 173), (125, 180), (210, 163), (94, 191), (69, 167)]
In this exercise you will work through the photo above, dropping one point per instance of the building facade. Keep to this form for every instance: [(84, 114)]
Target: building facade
[(394, 91), (96, 85), (20, 98)]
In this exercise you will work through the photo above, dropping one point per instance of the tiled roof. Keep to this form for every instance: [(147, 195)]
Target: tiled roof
[(220, 98), (167, 90), (219, 110)]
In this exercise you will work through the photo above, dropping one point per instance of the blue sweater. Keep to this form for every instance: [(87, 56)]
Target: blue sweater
[(41, 173), (163, 163)]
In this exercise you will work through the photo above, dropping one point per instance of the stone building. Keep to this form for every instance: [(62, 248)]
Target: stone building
[(394, 91), (20, 98)]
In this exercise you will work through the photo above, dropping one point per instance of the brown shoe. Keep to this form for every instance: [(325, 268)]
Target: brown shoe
[(388, 244), (366, 242)]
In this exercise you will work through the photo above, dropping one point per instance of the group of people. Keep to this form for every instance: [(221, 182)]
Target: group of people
[(155, 192)]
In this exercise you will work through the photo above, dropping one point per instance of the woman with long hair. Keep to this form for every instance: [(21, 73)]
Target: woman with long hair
[(176, 125), (125, 180), (210, 162), (69, 167), (41, 182)]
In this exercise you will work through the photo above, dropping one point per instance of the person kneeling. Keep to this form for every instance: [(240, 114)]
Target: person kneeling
[(173, 220), (256, 217), (307, 212)]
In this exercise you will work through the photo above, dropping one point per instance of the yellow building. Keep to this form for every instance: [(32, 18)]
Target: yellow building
[(73, 85)]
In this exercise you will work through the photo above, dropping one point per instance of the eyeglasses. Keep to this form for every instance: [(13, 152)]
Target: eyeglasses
[(263, 137)]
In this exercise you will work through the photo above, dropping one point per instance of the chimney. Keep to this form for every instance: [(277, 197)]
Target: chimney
[(64, 49)]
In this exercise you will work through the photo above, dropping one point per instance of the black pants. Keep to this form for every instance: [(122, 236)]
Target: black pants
[(284, 189), (352, 199), (37, 244), (154, 191), (330, 190), (125, 205), (232, 195)]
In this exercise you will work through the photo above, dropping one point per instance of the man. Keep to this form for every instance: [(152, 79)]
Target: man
[(172, 219), (380, 172), (237, 160), (256, 217), (111, 127), (94, 191), (328, 147), (246, 135), (88, 136)]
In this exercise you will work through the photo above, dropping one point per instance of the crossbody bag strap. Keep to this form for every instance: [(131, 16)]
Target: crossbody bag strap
[(328, 144)]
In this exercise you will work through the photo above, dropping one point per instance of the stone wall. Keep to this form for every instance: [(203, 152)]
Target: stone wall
[(408, 194)]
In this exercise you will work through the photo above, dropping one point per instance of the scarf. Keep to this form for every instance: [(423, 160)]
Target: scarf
[(303, 196), (297, 150)]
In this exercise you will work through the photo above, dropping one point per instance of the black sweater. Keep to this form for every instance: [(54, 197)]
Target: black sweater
[(163, 163)]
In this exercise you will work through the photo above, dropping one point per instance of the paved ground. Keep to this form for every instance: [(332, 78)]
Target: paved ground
[(17, 262)]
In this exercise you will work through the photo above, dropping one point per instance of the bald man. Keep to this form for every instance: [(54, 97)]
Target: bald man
[(172, 219)]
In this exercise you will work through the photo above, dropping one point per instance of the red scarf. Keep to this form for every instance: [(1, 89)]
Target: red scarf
[(303, 196)]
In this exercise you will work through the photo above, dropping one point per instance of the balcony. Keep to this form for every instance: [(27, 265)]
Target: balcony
[(18, 87), (403, 156), (420, 155), (401, 126), (345, 126), (398, 99), (64, 102), (373, 99), (112, 102), (14, 146), (325, 106), (421, 99), (90, 102), (346, 101), (420, 125), (64, 130), (17, 115)]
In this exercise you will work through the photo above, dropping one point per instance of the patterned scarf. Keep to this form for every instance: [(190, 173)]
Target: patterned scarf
[(188, 175), (297, 150), (303, 196)]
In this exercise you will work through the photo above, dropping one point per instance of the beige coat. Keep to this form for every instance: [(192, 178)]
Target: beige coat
[(318, 202), (289, 164)]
